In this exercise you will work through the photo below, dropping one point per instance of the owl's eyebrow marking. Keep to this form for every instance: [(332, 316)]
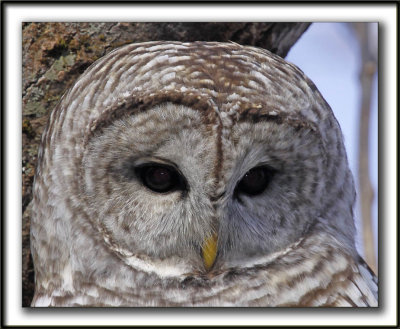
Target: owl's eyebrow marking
[(139, 104)]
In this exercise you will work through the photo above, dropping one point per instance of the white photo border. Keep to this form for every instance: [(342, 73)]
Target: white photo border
[(16, 13)]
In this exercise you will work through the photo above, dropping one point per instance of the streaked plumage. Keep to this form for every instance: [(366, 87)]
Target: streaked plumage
[(195, 174)]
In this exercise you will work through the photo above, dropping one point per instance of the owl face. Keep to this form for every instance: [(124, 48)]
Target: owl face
[(167, 185), (170, 158)]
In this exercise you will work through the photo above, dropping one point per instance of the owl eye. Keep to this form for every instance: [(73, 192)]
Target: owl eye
[(255, 181), (160, 178)]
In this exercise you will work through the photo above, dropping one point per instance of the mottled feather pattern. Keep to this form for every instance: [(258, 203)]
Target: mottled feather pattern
[(213, 112), (300, 276)]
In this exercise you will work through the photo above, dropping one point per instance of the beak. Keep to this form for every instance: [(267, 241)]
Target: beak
[(209, 251)]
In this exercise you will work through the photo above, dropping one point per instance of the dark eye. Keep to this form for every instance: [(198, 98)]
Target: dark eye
[(160, 178), (255, 181)]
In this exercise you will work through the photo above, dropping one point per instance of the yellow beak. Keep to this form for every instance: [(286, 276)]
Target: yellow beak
[(209, 251)]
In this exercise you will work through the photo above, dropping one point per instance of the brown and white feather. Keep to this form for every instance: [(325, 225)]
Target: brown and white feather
[(215, 110)]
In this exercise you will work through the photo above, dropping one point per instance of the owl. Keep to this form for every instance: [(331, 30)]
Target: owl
[(195, 174)]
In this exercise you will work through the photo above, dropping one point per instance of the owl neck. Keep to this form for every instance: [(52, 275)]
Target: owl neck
[(130, 283)]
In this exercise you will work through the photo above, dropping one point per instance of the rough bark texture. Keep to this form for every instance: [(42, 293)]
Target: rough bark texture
[(55, 54)]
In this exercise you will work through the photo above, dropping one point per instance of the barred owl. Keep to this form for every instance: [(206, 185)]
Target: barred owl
[(195, 174)]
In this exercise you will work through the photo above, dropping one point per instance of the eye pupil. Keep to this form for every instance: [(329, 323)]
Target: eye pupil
[(254, 178), (160, 178), (255, 181)]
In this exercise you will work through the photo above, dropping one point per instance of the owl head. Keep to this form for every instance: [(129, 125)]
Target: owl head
[(171, 158)]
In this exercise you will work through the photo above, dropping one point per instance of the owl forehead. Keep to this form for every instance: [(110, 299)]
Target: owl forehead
[(226, 81), (231, 78)]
